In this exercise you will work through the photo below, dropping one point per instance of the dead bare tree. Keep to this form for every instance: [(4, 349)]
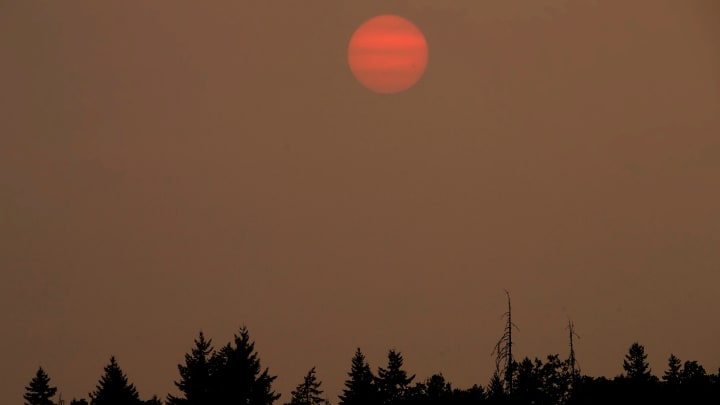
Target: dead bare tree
[(574, 366), (504, 362)]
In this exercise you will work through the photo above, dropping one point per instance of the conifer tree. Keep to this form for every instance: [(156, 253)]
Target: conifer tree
[(360, 388), (195, 375), (39, 392), (236, 376), (308, 392), (393, 382), (672, 374), (113, 388), (635, 364), (496, 389)]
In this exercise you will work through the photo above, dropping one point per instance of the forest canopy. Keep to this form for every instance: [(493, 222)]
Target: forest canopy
[(233, 374)]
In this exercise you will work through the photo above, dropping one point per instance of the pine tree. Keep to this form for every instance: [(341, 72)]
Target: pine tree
[(195, 375), (308, 392), (393, 382), (672, 374), (635, 364), (39, 392), (360, 388), (496, 389), (236, 377), (113, 388)]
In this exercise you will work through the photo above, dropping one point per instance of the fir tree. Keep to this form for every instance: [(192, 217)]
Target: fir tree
[(308, 392), (195, 375), (635, 364), (236, 376), (39, 392), (113, 388), (496, 389), (360, 388), (393, 382), (672, 374)]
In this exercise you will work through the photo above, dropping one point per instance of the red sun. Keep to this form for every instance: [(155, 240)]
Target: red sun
[(388, 54)]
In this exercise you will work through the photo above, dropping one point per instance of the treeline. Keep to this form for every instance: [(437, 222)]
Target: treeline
[(232, 374)]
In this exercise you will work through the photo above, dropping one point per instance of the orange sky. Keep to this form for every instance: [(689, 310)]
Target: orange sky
[(170, 166)]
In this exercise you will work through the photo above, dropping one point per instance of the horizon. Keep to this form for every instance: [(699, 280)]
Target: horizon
[(283, 396)]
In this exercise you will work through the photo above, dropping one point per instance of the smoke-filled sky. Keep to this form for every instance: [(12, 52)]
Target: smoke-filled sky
[(167, 167)]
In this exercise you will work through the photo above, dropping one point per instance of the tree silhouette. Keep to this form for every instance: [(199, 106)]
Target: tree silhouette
[(393, 381), (695, 384), (504, 361), (635, 364), (39, 392), (195, 375), (556, 379), (236, 376), (572, 360), (308, 392), (692, 372), (496, 390), (360, 388), (113, 388), (152, 401), (526, 382), (437, 389), (472, 396), (432, 391), (672, 374), (232, 375)]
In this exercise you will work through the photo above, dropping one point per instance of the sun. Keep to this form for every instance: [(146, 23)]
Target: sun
[(388, 54)]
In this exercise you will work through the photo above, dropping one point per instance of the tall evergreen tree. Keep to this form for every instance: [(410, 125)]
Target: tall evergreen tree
[(236, 376), (635, 364), (308, 392), (360, 388), (114, 388), (393, 381), (39, 392), (672, 374), (195, 375), (496, 389)]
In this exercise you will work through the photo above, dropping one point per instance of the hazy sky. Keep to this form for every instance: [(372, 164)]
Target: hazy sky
[(171, 166)]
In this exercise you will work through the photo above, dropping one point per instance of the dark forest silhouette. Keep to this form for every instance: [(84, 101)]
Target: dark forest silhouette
[(232, 374)]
